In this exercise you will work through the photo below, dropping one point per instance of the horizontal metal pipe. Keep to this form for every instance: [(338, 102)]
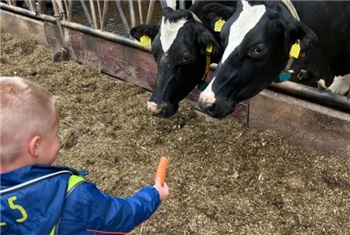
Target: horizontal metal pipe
[(26, 12), (313, 93), (79, 27)]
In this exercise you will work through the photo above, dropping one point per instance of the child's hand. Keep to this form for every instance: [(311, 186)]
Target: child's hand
[(162, 190)]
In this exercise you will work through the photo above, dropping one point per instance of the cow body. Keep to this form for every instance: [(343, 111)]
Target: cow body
[(257, 41), (179, 46)]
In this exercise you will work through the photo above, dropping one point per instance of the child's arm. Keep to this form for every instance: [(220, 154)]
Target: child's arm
[(94, 211)]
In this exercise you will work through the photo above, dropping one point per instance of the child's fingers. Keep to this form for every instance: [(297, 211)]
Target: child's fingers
[(158, 181)]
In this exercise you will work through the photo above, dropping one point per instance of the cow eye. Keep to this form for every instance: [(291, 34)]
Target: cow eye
[(257, 51), (185, 58)]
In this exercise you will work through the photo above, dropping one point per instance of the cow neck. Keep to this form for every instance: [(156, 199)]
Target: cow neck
[(285, 74)]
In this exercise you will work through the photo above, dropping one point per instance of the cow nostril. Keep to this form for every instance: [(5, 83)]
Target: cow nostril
[(209, 107)]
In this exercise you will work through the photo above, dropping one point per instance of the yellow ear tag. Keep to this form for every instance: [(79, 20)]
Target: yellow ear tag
[(145, 40), (207, 61), (209, 47), (295, 50), (218, 25)]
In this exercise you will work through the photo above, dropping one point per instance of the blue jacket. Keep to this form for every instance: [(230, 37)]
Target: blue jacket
[(32, 206)]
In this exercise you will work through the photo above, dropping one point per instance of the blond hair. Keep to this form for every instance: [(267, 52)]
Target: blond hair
[(26, 110)]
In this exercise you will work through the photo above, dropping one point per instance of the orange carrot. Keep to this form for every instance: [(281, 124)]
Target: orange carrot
[(161, 170)]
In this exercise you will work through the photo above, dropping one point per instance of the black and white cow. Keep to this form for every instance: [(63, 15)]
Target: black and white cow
[(179, 46), (258, 39)]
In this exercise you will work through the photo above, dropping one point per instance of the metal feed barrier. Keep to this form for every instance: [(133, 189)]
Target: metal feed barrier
[(96, 33)]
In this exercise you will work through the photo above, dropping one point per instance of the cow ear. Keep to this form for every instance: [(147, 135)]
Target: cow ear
[(298, 30), (214, 12), (150, 30), (206, 39)]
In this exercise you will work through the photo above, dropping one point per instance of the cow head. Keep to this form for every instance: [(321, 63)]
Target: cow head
[(179, 47), (257, 40)]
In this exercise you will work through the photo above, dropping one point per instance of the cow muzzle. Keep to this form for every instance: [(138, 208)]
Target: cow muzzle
[(153, 107), (164, 110), (206, 105), (216, 109)]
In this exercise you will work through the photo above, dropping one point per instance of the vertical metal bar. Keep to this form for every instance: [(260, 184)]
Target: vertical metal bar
[(162, 3), (70, 10), (150, 11), (93, 13), (182, 4), (41, 7), (66, 7), (58, 21), (99, 11), (140, 11), (132, 13), (122, 15), (31, 5), (86, 12), (61, 9), (104, 15)]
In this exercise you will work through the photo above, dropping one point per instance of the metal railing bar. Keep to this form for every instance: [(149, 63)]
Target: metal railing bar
[(58, 21), (66, 7), (60, 9), (163, 3), (99, 11), (140, 11), (104, 15), (93, 13), (122, 15), (182, 4), (86, 11), (79, 27), (132, 13), (313, 93), (70, 10), (150, 11)]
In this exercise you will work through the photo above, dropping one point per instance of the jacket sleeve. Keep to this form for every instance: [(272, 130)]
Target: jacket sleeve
[(99, 212)]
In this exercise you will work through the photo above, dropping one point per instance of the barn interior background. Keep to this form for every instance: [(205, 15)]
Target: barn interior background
[(229, 179)]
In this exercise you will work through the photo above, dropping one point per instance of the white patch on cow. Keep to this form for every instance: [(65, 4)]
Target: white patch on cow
[(340, 85), (246, 21), (168, 32), (208, 95)]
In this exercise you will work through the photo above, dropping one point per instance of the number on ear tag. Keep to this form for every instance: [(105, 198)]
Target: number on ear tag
[(218, 25), (295, 50), (145, 40)]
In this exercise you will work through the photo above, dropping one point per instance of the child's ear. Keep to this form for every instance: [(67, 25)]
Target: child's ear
[(34, 146)]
